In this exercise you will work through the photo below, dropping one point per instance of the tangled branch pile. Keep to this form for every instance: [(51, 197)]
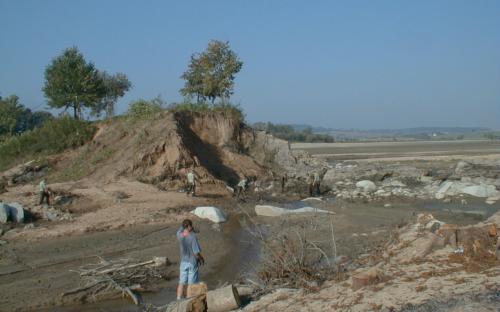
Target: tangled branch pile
[(292, 256), (108, 278)]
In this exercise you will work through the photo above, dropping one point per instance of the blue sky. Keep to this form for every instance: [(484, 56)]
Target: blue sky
[(341, 64)]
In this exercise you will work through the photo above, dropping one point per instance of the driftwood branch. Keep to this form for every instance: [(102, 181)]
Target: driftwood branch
[(119, 268)]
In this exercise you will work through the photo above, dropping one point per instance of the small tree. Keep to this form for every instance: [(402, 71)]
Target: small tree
[(70, 81), (210, 74), (115, 87)]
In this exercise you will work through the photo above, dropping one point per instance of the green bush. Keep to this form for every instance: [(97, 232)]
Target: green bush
[(226, 109), (54, 136)]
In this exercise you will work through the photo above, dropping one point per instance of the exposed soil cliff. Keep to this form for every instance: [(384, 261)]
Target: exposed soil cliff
[(221, 150)]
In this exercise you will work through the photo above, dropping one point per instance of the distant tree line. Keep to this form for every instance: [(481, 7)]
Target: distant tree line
[(287, 132), (15, 118)]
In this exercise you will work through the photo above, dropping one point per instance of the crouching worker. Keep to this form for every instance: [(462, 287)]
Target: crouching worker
[(191, 257), (44, 192), (192, 179), (241, 189)]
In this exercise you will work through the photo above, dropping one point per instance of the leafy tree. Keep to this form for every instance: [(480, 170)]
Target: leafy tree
[(210, 74), (10, 111), (115, 87), (72, 82)]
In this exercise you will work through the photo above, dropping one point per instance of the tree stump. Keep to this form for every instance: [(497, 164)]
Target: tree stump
[(194, 304), (194, 290), (223, 299)]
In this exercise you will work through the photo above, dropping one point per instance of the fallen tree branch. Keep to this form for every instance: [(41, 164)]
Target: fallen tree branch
[(77, 290), (124, 267)]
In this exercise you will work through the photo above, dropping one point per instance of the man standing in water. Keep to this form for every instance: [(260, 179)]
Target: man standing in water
[(191, 257)]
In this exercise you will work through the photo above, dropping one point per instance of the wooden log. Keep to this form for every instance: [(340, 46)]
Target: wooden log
[(223, 299)]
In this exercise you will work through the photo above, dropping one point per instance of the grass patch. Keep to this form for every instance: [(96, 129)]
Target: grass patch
[(83, 165), (54, 137), (145, 109)]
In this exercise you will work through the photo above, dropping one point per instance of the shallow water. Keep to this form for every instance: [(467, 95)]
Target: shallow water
[(243, 252)]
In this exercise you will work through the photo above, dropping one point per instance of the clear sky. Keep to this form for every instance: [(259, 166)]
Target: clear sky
[(341, 64)]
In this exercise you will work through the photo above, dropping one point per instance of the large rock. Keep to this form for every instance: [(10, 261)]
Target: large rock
[(449, 188), (367, 186), (223, 299), (211, 213), (11, 211), (481, 190), (16, 212), (462, 166), (4, 213), (275, 153), (453, 188), (424, 245), (272, 211), (367, 277)]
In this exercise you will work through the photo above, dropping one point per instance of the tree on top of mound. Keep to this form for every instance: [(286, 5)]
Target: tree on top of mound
[(210, 74), (72, 82), (115, 85)]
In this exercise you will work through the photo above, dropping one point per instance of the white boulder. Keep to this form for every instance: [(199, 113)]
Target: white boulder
[(482, 190), (367, 186), (211, 213), (450, 188), (12, 211), (272, 211)]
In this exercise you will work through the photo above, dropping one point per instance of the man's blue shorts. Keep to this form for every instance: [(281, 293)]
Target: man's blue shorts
[(188, 273)]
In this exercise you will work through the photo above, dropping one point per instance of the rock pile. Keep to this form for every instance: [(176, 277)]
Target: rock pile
[(369, 181)]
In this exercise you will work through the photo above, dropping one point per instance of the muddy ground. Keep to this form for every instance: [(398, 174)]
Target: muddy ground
[(41, 270)]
